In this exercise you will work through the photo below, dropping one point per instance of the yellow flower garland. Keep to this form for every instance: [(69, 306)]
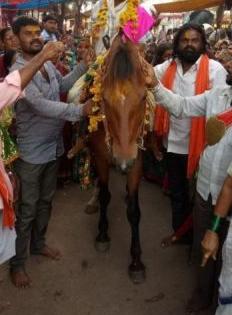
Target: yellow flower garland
[(96, 90), (129, 14), (101, 20)]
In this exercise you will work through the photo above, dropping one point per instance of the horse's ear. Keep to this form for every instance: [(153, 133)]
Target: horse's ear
[(148, 72)]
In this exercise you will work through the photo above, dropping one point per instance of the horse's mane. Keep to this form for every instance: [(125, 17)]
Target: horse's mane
[(121, 64)]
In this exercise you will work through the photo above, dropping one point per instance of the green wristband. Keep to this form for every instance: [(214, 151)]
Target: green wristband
[(215, 225)]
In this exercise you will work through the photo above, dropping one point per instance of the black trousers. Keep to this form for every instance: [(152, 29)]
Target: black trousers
[(207, 277), (38, 186), (179, 188)]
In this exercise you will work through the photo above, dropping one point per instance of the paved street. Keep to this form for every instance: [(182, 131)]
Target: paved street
[(85, 282)]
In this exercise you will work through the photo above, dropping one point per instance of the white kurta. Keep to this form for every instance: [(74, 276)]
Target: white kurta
[(184, 85)]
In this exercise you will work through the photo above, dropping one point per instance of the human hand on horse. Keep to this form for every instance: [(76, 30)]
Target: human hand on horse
[(210, 244), (88, 108), (88, 56), (149, 72)]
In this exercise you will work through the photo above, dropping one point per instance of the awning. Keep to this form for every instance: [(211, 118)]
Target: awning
[(27, 4), (184, 5)]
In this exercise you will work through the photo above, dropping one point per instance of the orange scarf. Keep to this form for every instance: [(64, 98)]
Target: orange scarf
[(197, 133), (226, 117), (6, 194)]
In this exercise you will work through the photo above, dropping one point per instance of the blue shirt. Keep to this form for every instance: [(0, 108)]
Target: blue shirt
[(40, 116)]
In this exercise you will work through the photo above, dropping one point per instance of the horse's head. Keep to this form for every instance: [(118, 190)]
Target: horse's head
[(124, 94)]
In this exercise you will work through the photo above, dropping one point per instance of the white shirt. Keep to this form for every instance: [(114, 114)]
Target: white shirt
[(184, 85), (48, 37), (216, 159)]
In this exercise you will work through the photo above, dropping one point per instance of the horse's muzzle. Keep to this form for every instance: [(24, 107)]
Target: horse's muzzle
[(124, 165)]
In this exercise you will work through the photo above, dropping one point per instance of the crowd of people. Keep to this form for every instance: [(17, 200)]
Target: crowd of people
[(192, 81)]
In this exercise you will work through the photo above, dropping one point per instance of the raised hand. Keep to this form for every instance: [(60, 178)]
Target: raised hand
[(88, 56), (52, 51)]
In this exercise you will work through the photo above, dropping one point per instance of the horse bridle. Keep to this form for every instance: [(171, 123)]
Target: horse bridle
[(108, 140), (140, 140)]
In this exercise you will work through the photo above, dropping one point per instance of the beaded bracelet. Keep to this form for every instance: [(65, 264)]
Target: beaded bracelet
[(215, 225)]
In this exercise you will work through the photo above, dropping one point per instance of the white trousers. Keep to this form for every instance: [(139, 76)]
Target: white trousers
[(7, 242)]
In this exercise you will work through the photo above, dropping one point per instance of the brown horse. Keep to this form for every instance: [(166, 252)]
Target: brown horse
[(124, 83)]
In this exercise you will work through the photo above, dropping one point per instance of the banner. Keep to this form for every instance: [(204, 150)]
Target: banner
[(184, 5)]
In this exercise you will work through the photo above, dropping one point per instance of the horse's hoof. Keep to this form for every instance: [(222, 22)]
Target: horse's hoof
[(91, 209), (137, 277), (102, 247)]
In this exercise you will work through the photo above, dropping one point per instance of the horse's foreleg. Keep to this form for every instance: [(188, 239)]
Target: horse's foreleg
[(136, 268), (102, 240)]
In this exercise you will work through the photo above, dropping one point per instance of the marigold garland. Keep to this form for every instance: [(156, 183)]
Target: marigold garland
[(101, 20), (94, 86), (129, 14)]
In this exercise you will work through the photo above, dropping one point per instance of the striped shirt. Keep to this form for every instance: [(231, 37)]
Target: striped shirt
[(40, 115)]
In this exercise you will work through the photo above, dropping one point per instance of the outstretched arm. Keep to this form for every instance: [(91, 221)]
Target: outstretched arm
[(177, 105), (50, 51), (11, 88)]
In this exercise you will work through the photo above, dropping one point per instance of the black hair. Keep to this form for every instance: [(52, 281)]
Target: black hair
[(187, 27), (161, 48), (3, 33), (23, 21), (8, 58), (49, 17)]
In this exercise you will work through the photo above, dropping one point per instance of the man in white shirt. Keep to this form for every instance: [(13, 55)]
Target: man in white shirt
[(49, 33), (189, 49), (213, 167)]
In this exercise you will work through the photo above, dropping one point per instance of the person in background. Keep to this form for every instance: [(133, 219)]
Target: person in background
[(162, 37), (220, 46), (224, 56), (163, 53), (9, 43), (50, 30)]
